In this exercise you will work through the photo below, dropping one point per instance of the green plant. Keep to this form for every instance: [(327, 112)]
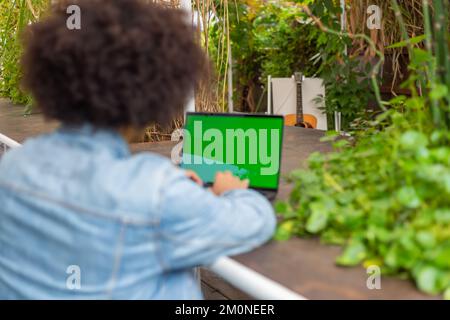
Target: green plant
[(389, 33), (385, 195), (267, 38), (347, 86), (347, 77), (14, 16)]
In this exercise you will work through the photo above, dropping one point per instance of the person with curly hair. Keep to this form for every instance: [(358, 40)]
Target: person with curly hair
[(80, 216)]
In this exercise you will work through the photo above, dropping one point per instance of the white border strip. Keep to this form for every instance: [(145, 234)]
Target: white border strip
[(251, 282), (8, 141)]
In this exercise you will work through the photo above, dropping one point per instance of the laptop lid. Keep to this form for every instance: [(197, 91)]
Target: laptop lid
[(248, 145)]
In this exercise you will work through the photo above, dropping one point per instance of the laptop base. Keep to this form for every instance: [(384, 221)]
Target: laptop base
[(269, 194)]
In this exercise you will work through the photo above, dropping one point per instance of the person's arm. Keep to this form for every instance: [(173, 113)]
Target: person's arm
[(197, 226)]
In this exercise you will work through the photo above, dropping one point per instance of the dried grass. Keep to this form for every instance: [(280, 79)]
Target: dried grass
[(210, 96), (389, 33)]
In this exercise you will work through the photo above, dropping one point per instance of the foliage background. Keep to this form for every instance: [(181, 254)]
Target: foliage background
[(14, 16), (267, 37), (385, 194), (277, 38)]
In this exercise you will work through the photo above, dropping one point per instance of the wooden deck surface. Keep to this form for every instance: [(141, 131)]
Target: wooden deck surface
[(17, 126), (303, 265)]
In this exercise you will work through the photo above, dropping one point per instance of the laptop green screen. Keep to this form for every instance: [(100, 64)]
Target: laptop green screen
[(248, 146)]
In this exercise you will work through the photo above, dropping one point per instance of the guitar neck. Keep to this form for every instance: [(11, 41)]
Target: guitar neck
[(299, 103)]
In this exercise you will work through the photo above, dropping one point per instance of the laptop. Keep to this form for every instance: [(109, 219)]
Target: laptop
[(248, 145)]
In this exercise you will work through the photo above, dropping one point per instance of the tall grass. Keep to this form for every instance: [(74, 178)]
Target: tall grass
[(434, 84), (391, 32), (14, 16), (210, 96)]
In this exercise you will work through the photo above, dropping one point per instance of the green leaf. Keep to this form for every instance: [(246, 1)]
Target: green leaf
[(353, 254), (392, 257), (442, 215), (438, 92), (428, 279), (447, 294), (397, 100), (318, 219), (408, 197), (281, 207), (404, 43), (284, 231), (340, 143), (420, 57), (413, 140), (330, 136), (426, 239), (442, 257)]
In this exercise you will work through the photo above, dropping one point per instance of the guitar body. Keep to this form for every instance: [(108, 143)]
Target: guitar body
[(309, 121)]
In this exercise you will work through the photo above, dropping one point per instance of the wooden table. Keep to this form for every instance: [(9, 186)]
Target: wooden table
[(305, 265)]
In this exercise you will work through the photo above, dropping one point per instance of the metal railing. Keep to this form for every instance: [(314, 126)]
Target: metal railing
[(7, 143), (251, 282)]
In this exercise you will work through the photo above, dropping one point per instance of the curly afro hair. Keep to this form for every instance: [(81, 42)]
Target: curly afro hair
[(131, 64)]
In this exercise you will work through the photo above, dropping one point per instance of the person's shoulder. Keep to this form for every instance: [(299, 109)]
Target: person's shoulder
[(14, 157), (33, 146), (141, 170), (136, 181), (150, 157), (147, 161)]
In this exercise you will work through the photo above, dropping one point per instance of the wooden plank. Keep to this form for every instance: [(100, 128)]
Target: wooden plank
[(17, 126), (306, 266), (209, 293), (221, 286)]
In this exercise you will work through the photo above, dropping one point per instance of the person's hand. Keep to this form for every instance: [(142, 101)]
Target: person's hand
[(225, 181), (194, 177)]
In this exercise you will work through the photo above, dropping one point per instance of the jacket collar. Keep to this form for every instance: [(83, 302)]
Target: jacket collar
[(92, 137)]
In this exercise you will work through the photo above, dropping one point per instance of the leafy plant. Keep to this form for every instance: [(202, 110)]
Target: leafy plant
[(346, 77), (385, 195), (14, 16), (267, 38)]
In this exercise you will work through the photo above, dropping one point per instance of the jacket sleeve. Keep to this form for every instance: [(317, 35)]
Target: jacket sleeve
[(197, 227)]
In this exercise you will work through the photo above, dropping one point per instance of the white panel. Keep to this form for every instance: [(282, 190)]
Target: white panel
[(284, 95), (187, 5), (312, 88), (285, 98), (190, 107)]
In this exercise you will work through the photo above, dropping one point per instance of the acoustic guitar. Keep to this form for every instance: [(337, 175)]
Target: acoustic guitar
[(300, 119)]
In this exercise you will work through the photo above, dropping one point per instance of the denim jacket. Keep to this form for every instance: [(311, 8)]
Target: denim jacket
[(82, 218)]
